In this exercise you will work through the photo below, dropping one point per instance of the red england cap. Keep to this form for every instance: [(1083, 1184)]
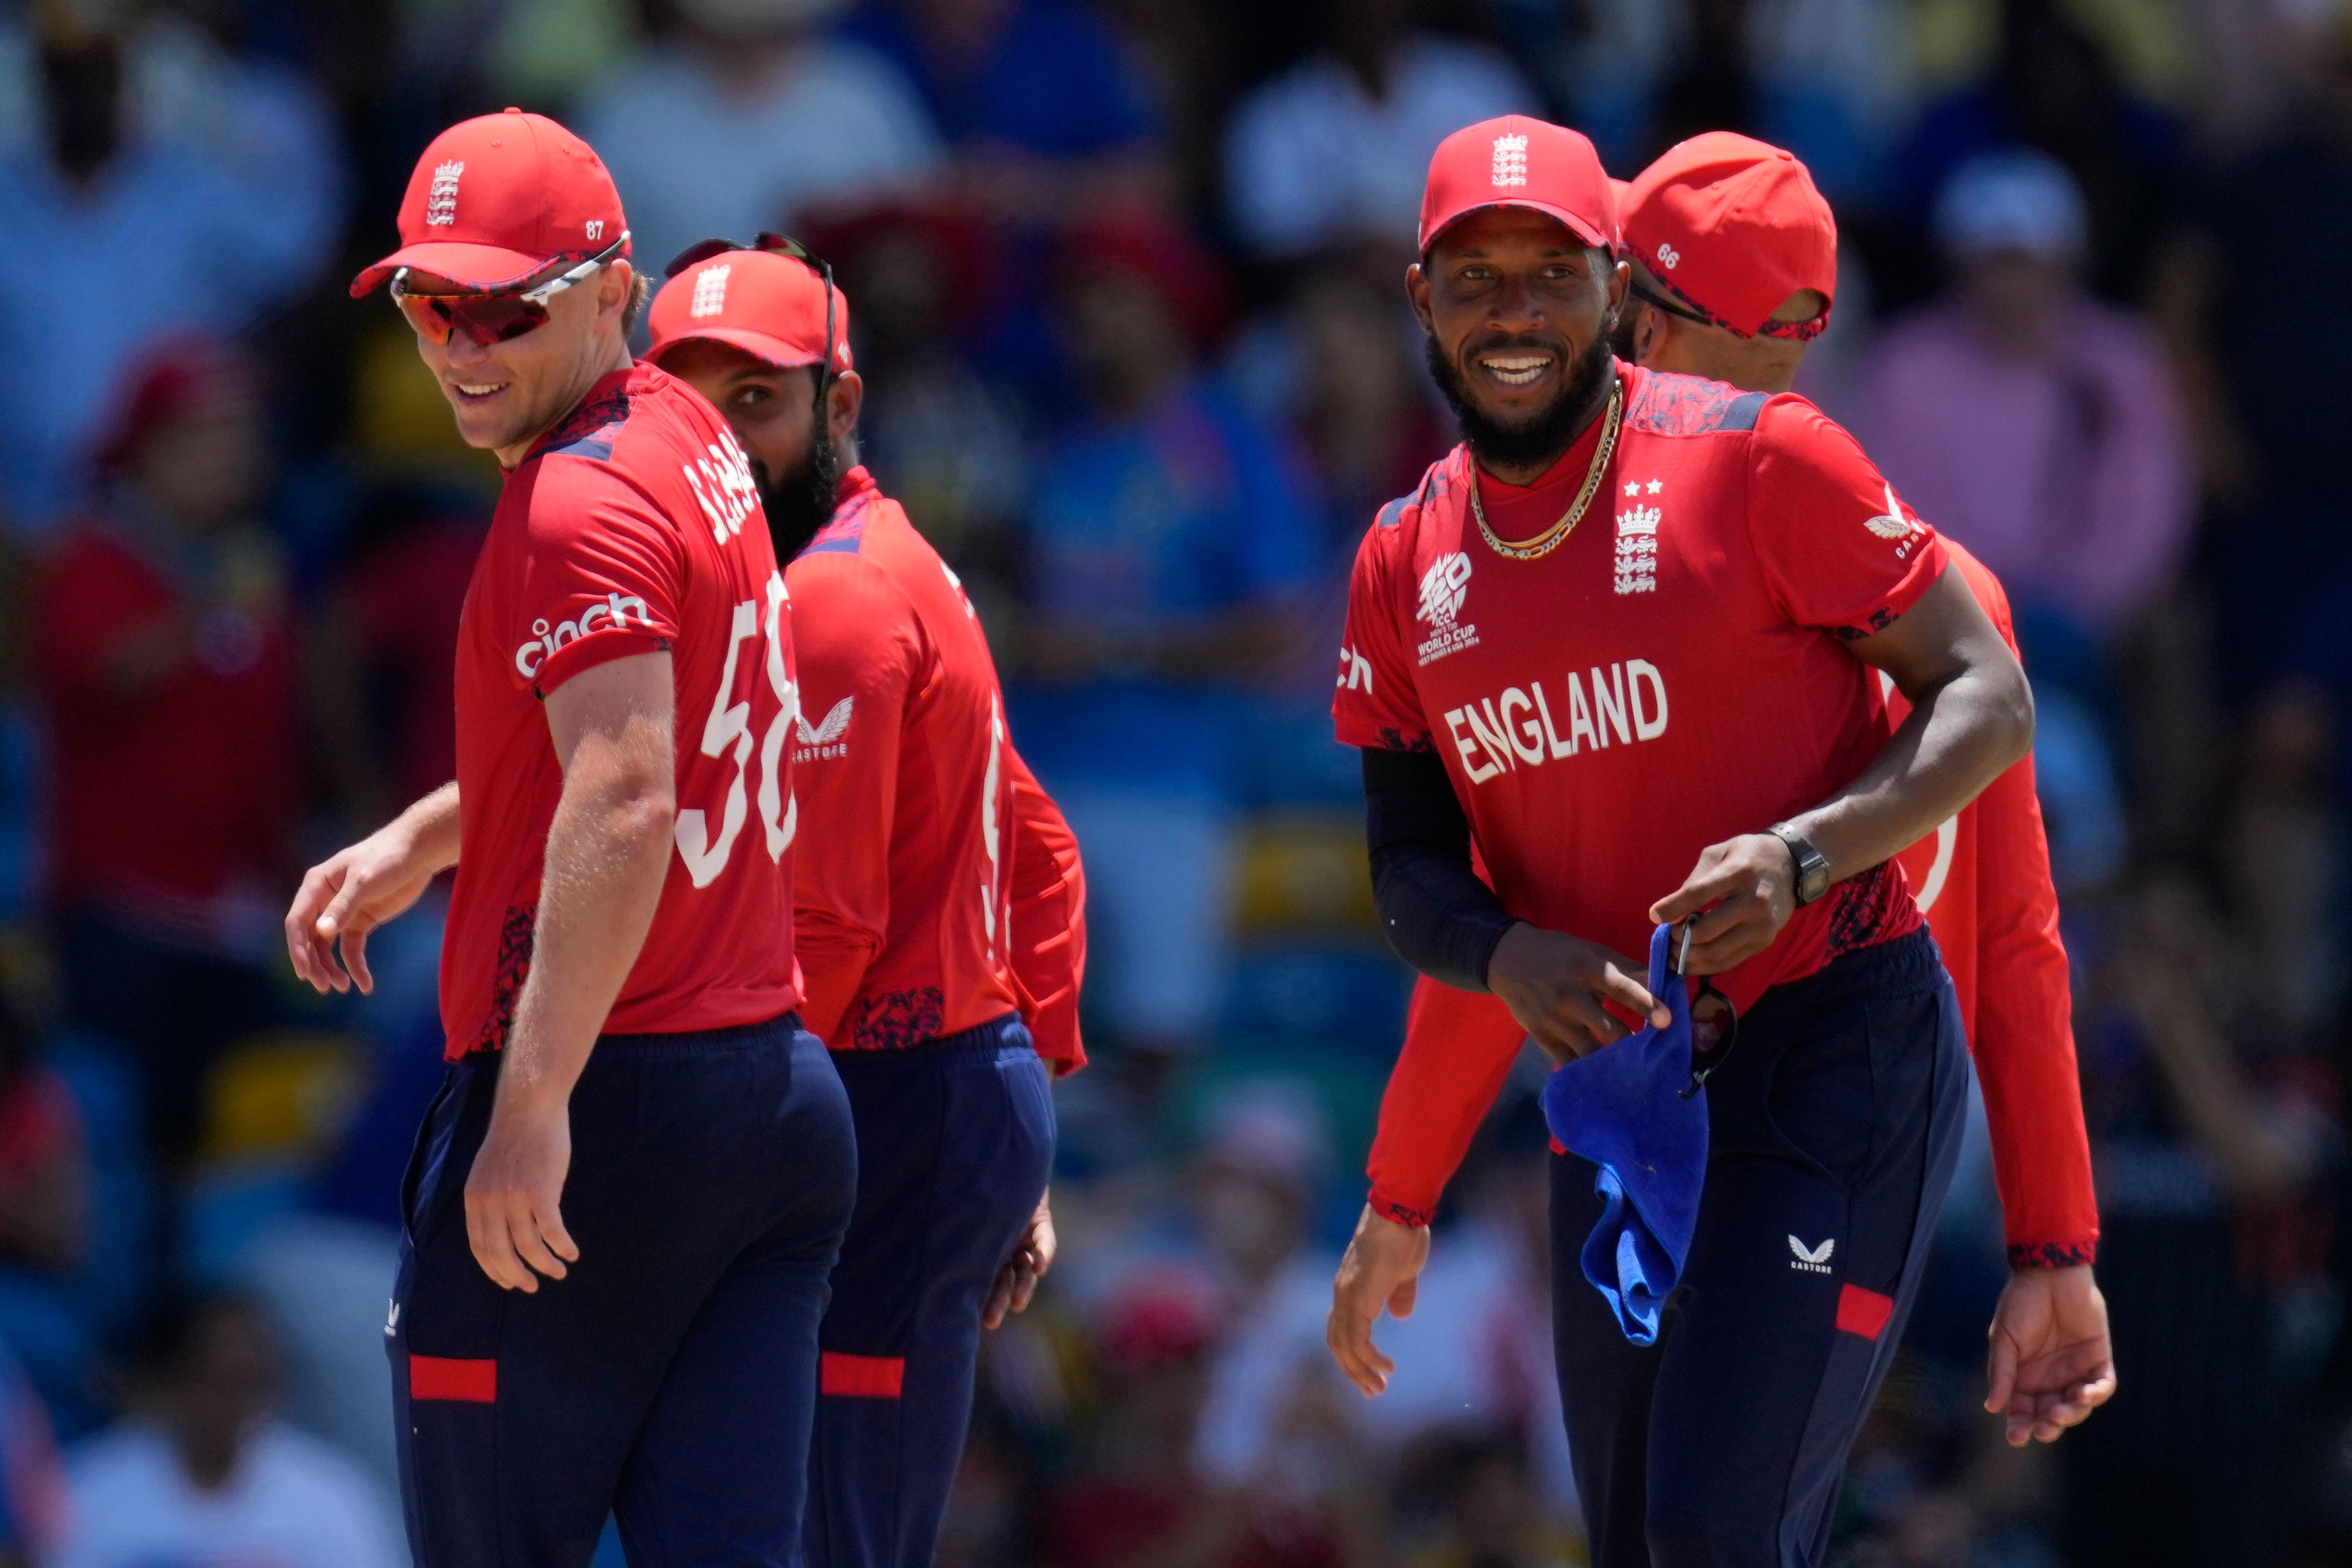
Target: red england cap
[(494, 199), (1733, 226), (770, 306), (1516, 161)]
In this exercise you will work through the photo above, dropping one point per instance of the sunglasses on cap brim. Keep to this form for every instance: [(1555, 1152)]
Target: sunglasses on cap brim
[(1799, 331), (694, 255), (493, 315)]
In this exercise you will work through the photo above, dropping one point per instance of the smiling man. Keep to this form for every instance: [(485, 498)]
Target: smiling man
[(626, 1196), (1622, 641)]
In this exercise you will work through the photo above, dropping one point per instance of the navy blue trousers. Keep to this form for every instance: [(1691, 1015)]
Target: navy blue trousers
[(671, 1380), (1834, 1126), (955, 1141)]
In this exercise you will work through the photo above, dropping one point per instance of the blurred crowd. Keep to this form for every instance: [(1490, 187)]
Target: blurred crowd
[(1127, 277)]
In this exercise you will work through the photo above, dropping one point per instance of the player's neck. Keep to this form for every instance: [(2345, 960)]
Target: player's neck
[(510, 456), (1523, 471)]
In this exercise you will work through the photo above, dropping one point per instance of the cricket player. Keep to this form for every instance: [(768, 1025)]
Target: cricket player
[(628, 1195), (1619, 653), (937, 897), (1751, 241)]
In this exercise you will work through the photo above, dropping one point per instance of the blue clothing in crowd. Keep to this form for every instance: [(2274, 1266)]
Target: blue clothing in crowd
[(1055, 81)]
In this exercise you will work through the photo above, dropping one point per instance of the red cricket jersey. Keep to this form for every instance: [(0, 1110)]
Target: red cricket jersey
[(174, 798), (1983, 882), (903, 918), (635, 525), (1669, 677)]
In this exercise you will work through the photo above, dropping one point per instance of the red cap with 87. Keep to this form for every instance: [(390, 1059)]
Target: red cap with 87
[(1516, 161), (497, 199)]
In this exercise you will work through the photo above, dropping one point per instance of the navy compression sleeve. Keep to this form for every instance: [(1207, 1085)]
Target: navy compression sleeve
[(1436, 913)]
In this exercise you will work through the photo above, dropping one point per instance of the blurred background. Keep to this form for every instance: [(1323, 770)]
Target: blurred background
[(1126, 276)]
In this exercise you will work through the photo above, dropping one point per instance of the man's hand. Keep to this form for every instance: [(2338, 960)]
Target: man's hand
[(1382, 1269), (1554, 985), (1016, 1282), (357, 889), (1747, 888), (512, 1213), (2049, 1365)]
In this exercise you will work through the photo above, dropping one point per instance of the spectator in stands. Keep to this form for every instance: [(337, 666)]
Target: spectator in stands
[(162, 636), (2038, 427), (1164, 554), (950, 442), (1044, 103), (168, 186), (1134, 1497), (203, 1472), (2052, 87), (1334, 149), (748, 117), (22, 816), (45, 1215)]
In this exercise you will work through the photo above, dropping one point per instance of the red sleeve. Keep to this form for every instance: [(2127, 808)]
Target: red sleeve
[(1839, 549), (861, 650), (1376, 704), (2025, 1038), (1048, 920), (604, 572), (1458, 1048)]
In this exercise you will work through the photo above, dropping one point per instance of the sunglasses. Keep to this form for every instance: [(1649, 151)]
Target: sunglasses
[(1801, 331), (776, 245), (1713, 1018), (490, 316)]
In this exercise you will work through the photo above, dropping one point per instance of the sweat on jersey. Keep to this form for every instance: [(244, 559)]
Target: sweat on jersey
[(635, 525), (929, 877), (1669, 677)]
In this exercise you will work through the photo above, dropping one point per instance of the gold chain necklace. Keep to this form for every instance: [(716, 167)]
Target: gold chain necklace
[(1551, 538)]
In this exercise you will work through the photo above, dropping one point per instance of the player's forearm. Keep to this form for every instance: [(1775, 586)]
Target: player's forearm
[(431, 825), (1960, 735), (1435, 913), (607, 853)]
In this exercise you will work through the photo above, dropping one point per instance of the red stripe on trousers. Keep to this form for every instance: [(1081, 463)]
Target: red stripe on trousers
[(861, 1376), (474, 1382), (1862, 1311)]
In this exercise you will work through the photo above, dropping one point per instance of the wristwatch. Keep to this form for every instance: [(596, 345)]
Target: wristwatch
[(1812, 866)]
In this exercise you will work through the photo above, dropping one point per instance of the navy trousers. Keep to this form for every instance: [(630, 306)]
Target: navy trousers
[(955, 1141), (671, 1380), (1834, 1126)]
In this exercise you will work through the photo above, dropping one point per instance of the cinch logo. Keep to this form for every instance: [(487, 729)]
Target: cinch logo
[(1495, 735), (829, 739), (1510, 160), (710, 291), (1355, 671), (732, 494), (544, 642), (1811, 1259), (441, 197)]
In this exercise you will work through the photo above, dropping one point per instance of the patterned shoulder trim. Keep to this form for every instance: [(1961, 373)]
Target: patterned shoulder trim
[(843, 532), (1691, 406), (589, 430), (1433, 484)]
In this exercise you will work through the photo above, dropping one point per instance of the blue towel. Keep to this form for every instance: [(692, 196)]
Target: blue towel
[(1623, 1108)]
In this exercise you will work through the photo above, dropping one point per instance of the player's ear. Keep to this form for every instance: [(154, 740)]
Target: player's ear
[(1416, 291), (844, 401)]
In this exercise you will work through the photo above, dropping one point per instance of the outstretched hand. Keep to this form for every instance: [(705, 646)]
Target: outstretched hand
[(2049, 1363), (1381, 1269)]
